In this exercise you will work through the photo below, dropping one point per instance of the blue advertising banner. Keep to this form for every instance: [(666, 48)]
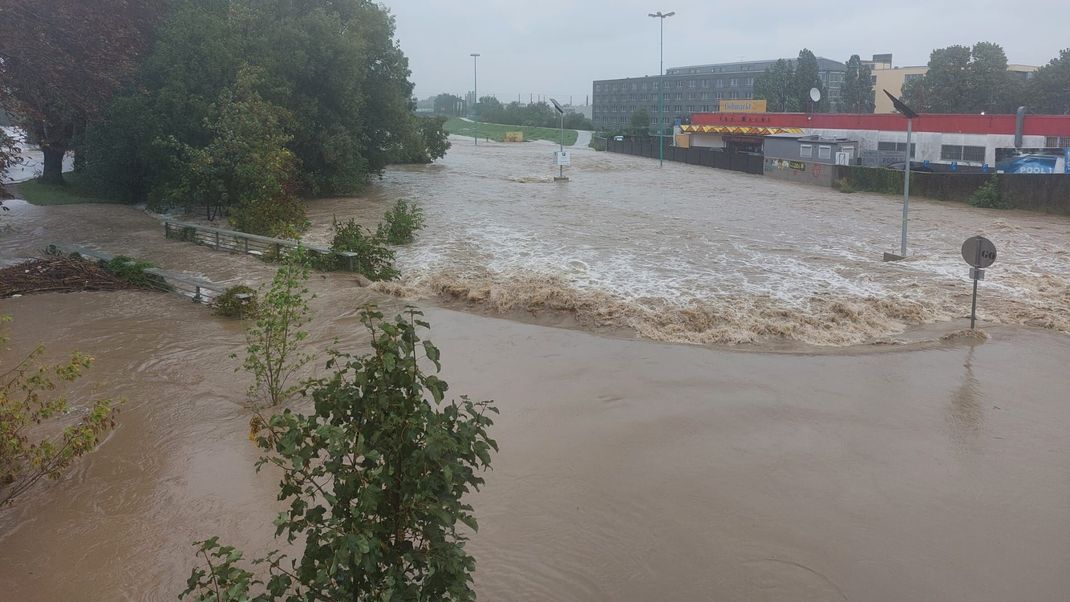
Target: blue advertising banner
[(1033, 160)]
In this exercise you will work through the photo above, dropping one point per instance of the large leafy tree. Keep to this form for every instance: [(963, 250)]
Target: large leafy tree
[(775, 87), (333, 66), (1050, 86), (961, 79), (61, 60), (804, 79), (858, 87)]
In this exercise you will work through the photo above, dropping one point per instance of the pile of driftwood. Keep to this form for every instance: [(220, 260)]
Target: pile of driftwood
[(59, 274)]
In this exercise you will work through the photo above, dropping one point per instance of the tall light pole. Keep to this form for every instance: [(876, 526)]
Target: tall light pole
[(475, 95), (661, 83), (909, 113)]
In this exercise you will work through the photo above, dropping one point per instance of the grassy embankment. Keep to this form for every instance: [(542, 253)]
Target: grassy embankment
[(71, 193), (496, 131)]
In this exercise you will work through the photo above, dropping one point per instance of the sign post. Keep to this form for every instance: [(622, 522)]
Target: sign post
[(561, 157), (980, 253)]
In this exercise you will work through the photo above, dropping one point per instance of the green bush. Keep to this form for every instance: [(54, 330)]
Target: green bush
[(989, 196), (373, 258), (236, 302), (400, 223), (134, 272)]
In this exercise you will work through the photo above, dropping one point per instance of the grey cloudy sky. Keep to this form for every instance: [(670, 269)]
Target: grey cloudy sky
[(557, 47)]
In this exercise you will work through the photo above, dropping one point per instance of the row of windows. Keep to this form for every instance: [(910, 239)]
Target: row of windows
[(954, 152), (806, 151), (653, 109), (676, 96), (636, 86), (1057, 142)]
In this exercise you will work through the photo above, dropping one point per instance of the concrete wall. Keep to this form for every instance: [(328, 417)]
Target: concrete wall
[(803, 172), (1047, 193)]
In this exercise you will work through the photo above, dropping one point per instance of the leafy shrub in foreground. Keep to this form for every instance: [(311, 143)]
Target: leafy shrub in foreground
[(374, 481)]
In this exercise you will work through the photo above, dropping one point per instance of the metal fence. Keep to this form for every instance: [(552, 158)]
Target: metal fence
[(752, 163), (250, 244), (201, 291)]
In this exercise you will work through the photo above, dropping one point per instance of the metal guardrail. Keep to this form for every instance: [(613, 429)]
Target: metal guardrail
[(200, 291), (249, 244)]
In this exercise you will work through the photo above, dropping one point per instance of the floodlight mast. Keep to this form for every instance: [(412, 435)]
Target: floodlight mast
[(661, 83)]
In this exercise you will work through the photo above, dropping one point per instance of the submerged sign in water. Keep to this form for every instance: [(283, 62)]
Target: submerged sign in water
[(980, 253)]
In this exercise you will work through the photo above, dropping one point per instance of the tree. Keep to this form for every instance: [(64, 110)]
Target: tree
[(965, 80), (640, 121), (858, 87), (61, 60), (805, 78), (245, 169), (333, 66), (26, 400), (1050, 86), (775, 86), (448, 104), (991, 86), (272, 354), (9, 156), (374, 480), (428, 141)]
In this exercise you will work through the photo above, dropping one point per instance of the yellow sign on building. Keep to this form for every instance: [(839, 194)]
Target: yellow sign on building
[(743, 106), (514, 136)]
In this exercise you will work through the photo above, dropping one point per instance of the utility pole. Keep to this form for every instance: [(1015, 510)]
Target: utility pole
[(909, 113), (661, 83), (475, 95)]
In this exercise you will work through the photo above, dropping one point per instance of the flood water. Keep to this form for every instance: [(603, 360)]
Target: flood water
[(630, 469)]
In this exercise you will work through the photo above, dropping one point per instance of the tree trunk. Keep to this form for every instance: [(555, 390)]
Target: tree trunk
[(53, 172)]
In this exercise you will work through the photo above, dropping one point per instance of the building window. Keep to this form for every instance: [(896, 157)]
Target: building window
[(691, 84), (974, 154), (705, 83), (909, 77), (806, 151), (732, 83), (1057, 141), (954, 152), (899, 147), (824, 152), (718, 83)]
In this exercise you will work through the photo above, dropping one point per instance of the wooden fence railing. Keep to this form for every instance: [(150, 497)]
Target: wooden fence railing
[(250, 244)]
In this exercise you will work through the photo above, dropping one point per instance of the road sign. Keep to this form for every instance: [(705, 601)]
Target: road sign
[(563, 159), (979, 252)]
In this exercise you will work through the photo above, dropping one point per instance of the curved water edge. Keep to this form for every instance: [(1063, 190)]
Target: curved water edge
[(693, 255)]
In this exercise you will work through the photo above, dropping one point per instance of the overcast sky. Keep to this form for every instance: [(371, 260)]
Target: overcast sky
[(558, 47)]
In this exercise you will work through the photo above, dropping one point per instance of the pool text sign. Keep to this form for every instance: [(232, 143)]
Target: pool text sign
[(980, 253)]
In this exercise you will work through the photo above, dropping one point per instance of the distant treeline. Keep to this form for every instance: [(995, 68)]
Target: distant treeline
[(491, 110)]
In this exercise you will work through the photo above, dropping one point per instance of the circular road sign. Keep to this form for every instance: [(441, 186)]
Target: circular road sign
[(979, 252), (815, 94)]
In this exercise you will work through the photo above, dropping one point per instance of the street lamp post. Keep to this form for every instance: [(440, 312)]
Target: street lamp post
[(475, 96), (661, 83), (909, 113)]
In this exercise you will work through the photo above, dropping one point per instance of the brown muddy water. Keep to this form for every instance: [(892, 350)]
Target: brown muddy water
[(630, 469)]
